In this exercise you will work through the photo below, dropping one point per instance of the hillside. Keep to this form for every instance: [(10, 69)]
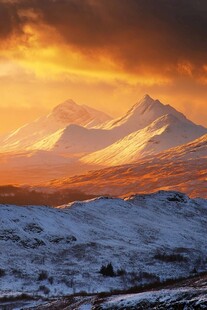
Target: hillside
[(183, 168), (164, 133), (64, 248), (75, 139)]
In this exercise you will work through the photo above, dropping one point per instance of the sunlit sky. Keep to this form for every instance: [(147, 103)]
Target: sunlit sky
[(103, 53)]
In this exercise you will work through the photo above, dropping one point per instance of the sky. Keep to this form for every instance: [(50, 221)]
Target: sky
[(103, 53)]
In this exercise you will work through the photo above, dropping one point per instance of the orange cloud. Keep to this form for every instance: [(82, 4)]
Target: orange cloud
[(103, 52)]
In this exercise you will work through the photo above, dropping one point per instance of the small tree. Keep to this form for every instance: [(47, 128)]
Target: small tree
[(107, 271), (43, 275)]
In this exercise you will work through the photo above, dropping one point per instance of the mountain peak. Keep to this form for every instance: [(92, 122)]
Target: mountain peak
[(147, 101), (69, 112), (146, 107), (64, 106), (69, 102), (147, 97)]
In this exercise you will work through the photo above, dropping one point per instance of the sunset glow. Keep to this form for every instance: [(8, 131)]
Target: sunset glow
[(106, 54), (103, 154)]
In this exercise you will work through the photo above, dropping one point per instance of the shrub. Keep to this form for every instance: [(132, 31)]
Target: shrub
[(44, 289), (43, 275), (107, 271), (2, 272), (149, 276), (120, 272), (194, 271)]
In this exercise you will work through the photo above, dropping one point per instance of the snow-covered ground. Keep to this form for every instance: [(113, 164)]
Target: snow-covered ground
[(188, 297), (58, 251), (182, 298)]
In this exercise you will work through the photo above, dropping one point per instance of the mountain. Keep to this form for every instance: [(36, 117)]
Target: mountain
[(79, 139), (65, 142), (148, 237), (62, 115), (70, 112), (165, 132), (181, 168), (72, 128), (141, 115)]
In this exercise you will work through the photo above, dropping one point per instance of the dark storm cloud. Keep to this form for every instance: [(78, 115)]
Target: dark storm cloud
[(10, 22), (134, 32)]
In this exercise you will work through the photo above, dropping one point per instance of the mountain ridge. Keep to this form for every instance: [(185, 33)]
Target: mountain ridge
[(164, 133), (62, 115), (65, 146), (154, 108)]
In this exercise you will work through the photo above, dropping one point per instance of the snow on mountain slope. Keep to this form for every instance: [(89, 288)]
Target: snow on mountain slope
[(75, 139), (56, 131), (55, 136), (70, 112), (78, 139), (149, 236), (164, 133), (182, 168), (64, 114), (196, 149)]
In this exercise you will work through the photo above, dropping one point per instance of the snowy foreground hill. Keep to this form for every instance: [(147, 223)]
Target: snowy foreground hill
[(58, 251)]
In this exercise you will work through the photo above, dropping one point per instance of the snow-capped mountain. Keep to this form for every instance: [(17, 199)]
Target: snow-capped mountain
[(138, 129), (165, 132), (148, 237), (62, 115), (141, 115), (71, 132), (70, 112), (71, 128)]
